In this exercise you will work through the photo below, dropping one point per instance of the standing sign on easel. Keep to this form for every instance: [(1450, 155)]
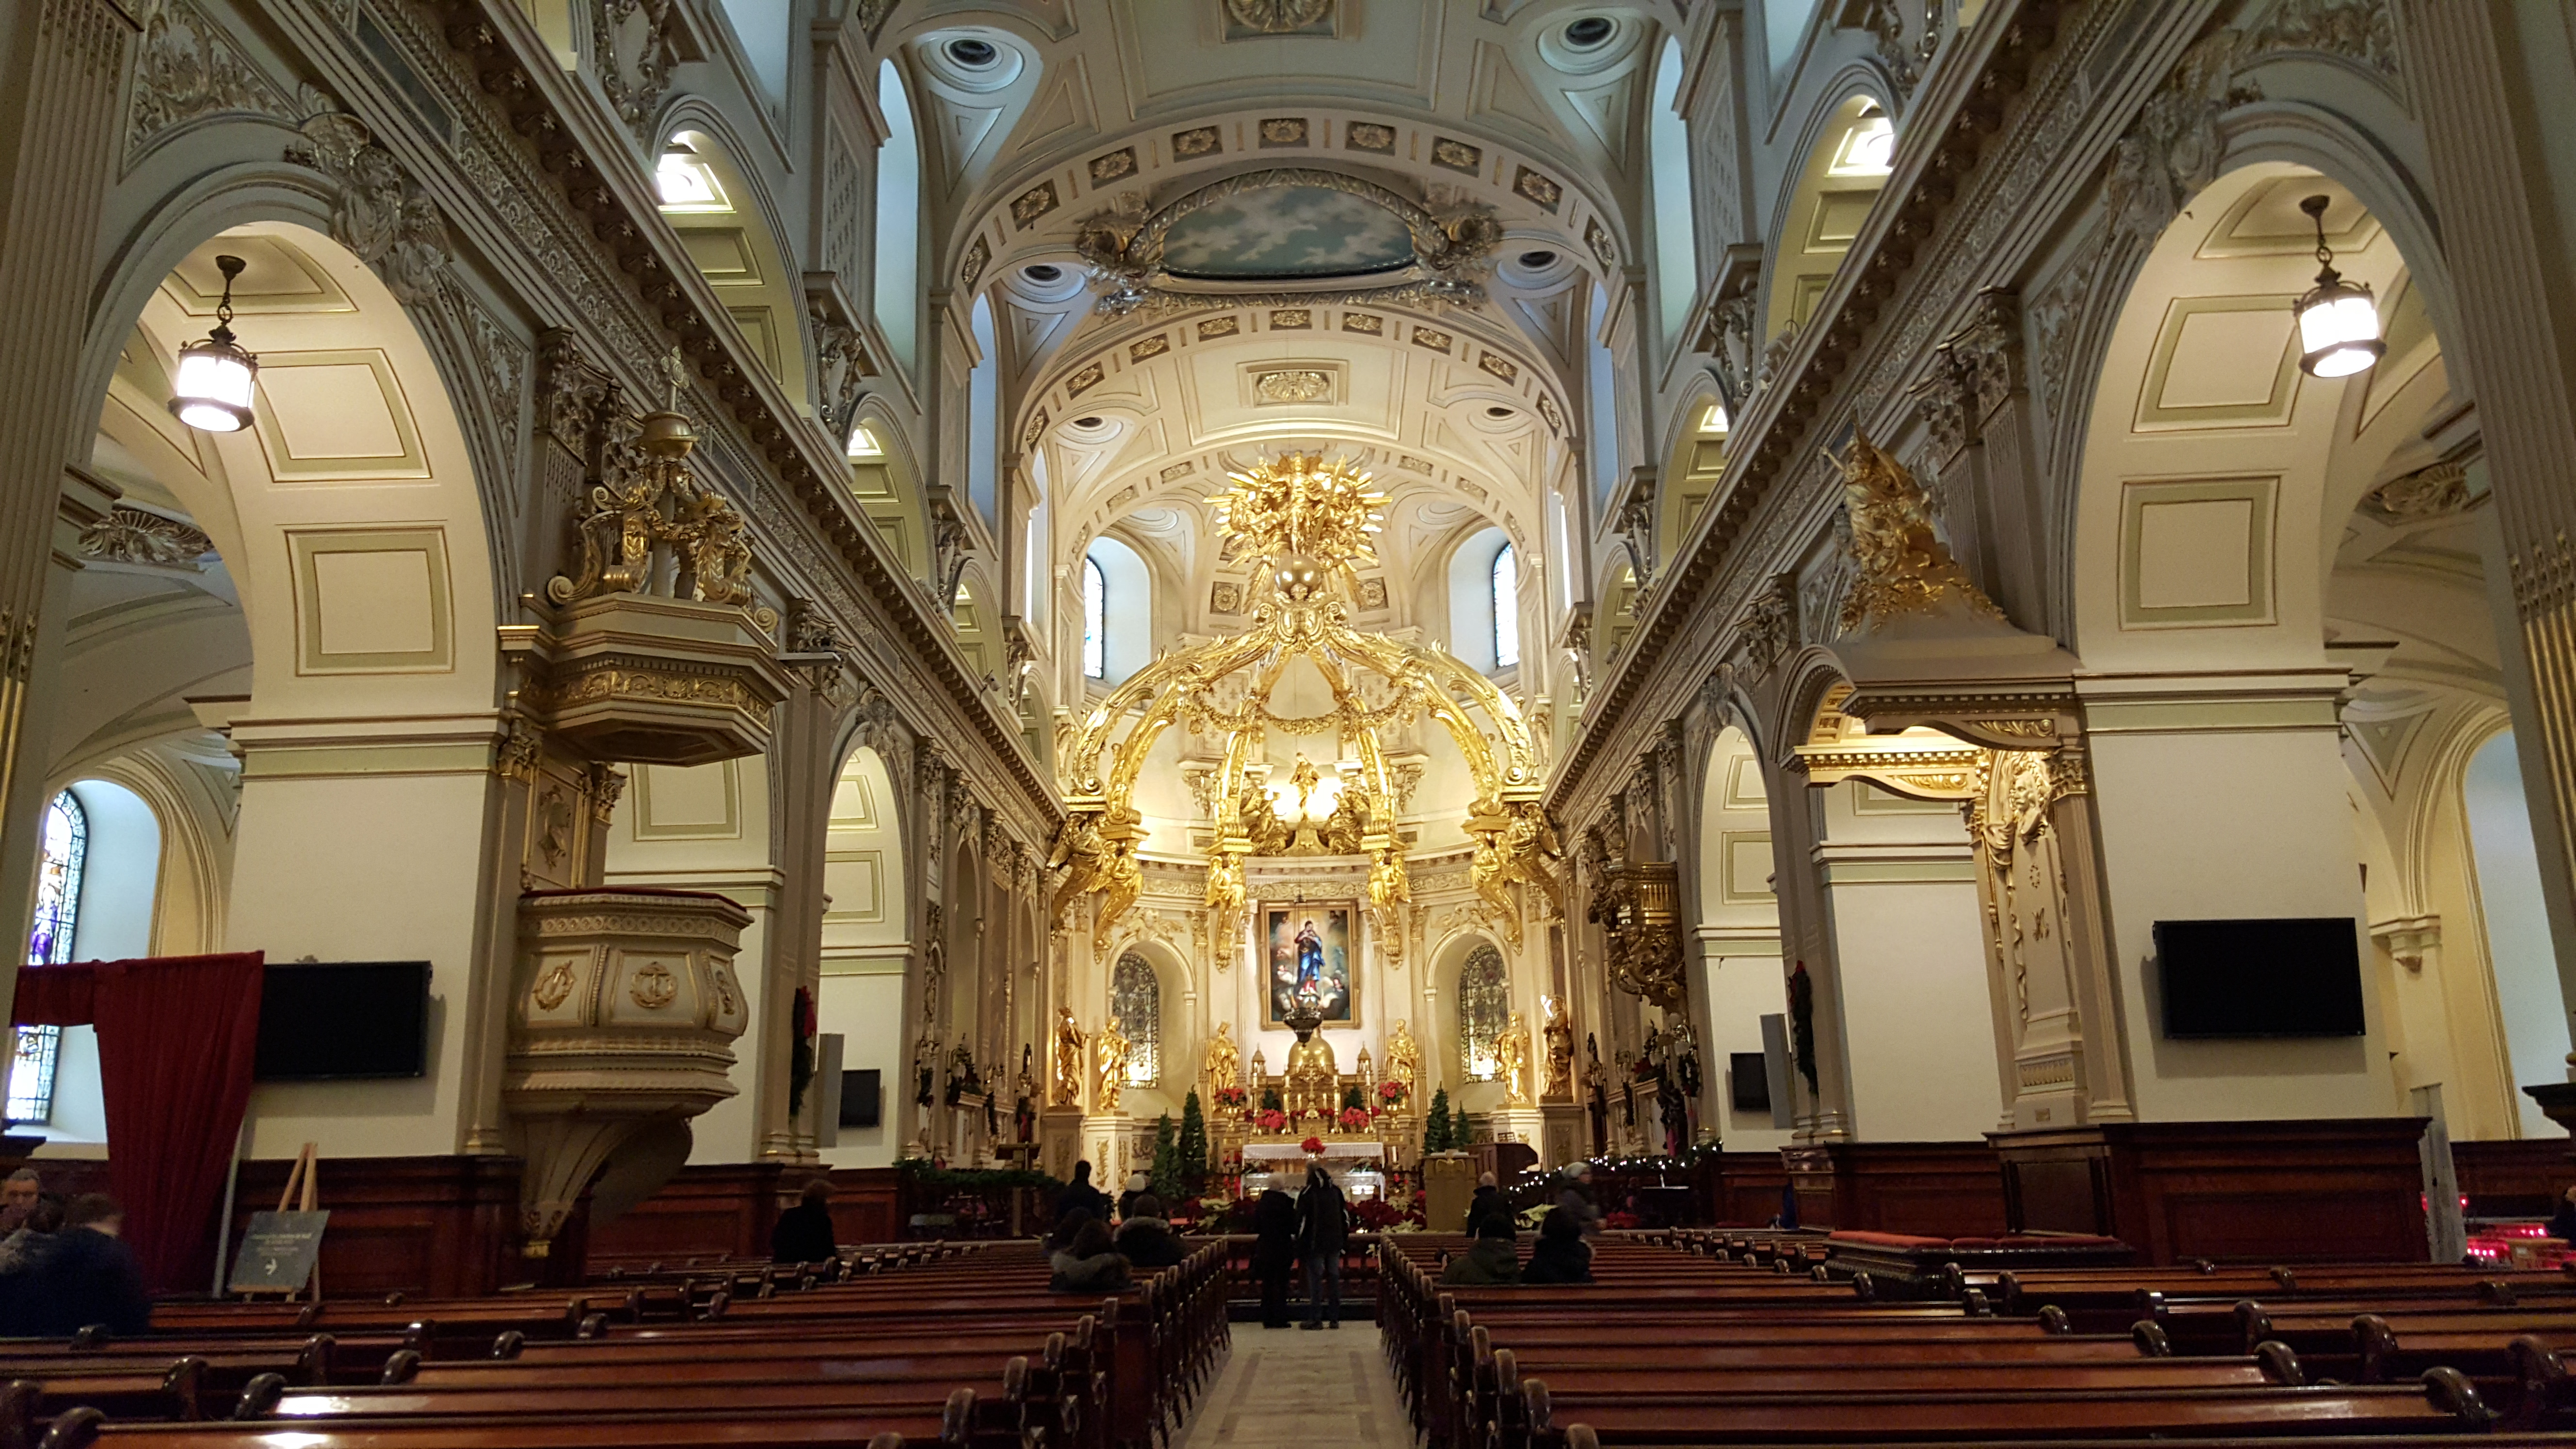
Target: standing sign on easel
[(281, 1252)]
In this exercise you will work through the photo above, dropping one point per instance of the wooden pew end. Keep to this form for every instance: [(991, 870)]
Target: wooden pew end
[(73, 1429), (957, 1420), (2451, 1392), (401, 1367), (2543, 1376), (18, 1413), (260, 1397), (2279, 1362), (2378, 1346), (1864, 1287), (2152, 1340), (2052, 1319), (507, 1343), (182, 1383), (1580, 1436), (313, 1365)]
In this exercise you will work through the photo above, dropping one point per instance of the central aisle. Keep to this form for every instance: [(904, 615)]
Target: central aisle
[(1285, 1388)]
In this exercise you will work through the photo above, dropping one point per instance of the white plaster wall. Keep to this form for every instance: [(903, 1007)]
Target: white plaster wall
[(868, 1013), (1741, 981), (2517, 923), (1909, 942), (364, 868), (2209, 824)]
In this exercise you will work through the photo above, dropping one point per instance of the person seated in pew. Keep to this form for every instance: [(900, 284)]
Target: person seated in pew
[(2562, 1224), (1087, 1264), (1575, 1200), (1494, 1258), (81, 1276), (1560, 1255), (804, 1233), (1145, 1239), (1487, 1201), (1138, 1185), (27, 1224)]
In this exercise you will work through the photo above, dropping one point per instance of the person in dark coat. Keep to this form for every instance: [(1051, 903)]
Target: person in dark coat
[(1493, 1258), (1323, 1228), (1274, 1253), (2562, 1224), (1560, 1255), (1138, 1185), (81, 1276), (1082, 1197), (1145, 1239), (804, 1233), (1487, 1201), (1088, 1264), (1575, 1200)]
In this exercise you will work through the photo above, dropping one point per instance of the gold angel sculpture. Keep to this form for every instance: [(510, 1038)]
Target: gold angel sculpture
[(1903, 565), (1067, 1058), (1514, 843), (1404, 1062), (1559, 1034), (1511, 1058), (1224, 1060), (1114, 1051)]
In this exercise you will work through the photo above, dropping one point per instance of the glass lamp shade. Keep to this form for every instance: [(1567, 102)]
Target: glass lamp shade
[(214, 385), (2338, 328)]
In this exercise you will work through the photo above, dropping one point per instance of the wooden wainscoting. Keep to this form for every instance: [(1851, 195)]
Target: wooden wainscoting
[(434, 1226), (2229, 1192), (2514, 1179), (719, 1210), (1930, 1189)]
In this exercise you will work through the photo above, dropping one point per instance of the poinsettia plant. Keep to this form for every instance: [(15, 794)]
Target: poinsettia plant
[(1313, 1146), (1273, 1120), (1231, 1097), (1353, 1119), (1391, 1093)]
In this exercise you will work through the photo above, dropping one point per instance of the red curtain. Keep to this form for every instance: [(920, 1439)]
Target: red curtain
[(175, 1040)]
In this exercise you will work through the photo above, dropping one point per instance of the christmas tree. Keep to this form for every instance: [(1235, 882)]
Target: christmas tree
[(1462, 1133), (1194, 1146), (1167, 1161), (1435, 1126)]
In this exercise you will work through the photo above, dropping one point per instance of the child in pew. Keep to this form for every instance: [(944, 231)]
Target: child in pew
[(1561, 1255), (1087, 1263), (1494, 1258)]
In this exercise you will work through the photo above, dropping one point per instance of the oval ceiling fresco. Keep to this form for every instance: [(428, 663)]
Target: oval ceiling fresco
[(1286, 232)]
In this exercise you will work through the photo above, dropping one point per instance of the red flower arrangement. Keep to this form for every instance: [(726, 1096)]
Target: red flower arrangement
[(1391, 1093), (1313, 1145), (1273, 1120), (1353, 1119), (1231, 1097)]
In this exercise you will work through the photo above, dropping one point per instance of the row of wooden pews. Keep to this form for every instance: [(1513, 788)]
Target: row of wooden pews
[(1705, 1340), (961, 1349)]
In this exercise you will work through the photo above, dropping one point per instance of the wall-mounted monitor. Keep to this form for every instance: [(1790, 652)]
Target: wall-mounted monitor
[(335, 1020), (862, 1097), (1749, 1081), (2285, 977)]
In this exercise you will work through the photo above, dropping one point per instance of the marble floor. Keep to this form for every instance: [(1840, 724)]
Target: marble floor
[(1285, 1388)]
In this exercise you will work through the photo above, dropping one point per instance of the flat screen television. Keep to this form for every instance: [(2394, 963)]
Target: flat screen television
[(329, 1021), (1749, 1078), (2288, 977), (862, 1097)]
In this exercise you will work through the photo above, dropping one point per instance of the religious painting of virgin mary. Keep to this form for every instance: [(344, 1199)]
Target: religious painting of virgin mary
[(1308, 949)]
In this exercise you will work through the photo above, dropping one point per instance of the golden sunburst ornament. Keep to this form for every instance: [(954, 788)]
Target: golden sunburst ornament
[(1299, 507)]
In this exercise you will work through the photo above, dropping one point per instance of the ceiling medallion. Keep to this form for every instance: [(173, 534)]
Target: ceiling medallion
[(1311, 525), (1278, 17)]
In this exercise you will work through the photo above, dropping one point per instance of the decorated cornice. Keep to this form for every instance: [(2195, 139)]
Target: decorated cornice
[(569, 189), (1907, 271)]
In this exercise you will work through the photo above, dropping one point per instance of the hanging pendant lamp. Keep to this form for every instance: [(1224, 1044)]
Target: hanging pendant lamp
[(215, 376), (2338, 320)]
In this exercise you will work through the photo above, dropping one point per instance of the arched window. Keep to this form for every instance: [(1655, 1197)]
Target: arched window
[(1095, 610), (1668, 152), (898, 279), (984, 415), (63, 858), (1484, 1010), (1601, 397), (1136, 1004), (1507, 609)]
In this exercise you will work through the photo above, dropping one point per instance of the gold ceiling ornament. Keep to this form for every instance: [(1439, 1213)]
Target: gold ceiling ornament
[(1904, 567), (1309, 522)]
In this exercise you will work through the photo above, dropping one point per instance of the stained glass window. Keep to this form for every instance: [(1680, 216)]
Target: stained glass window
[(1484, 1010), (1095, 604), (1507, 608), (64, 856), (1136, 1004)]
